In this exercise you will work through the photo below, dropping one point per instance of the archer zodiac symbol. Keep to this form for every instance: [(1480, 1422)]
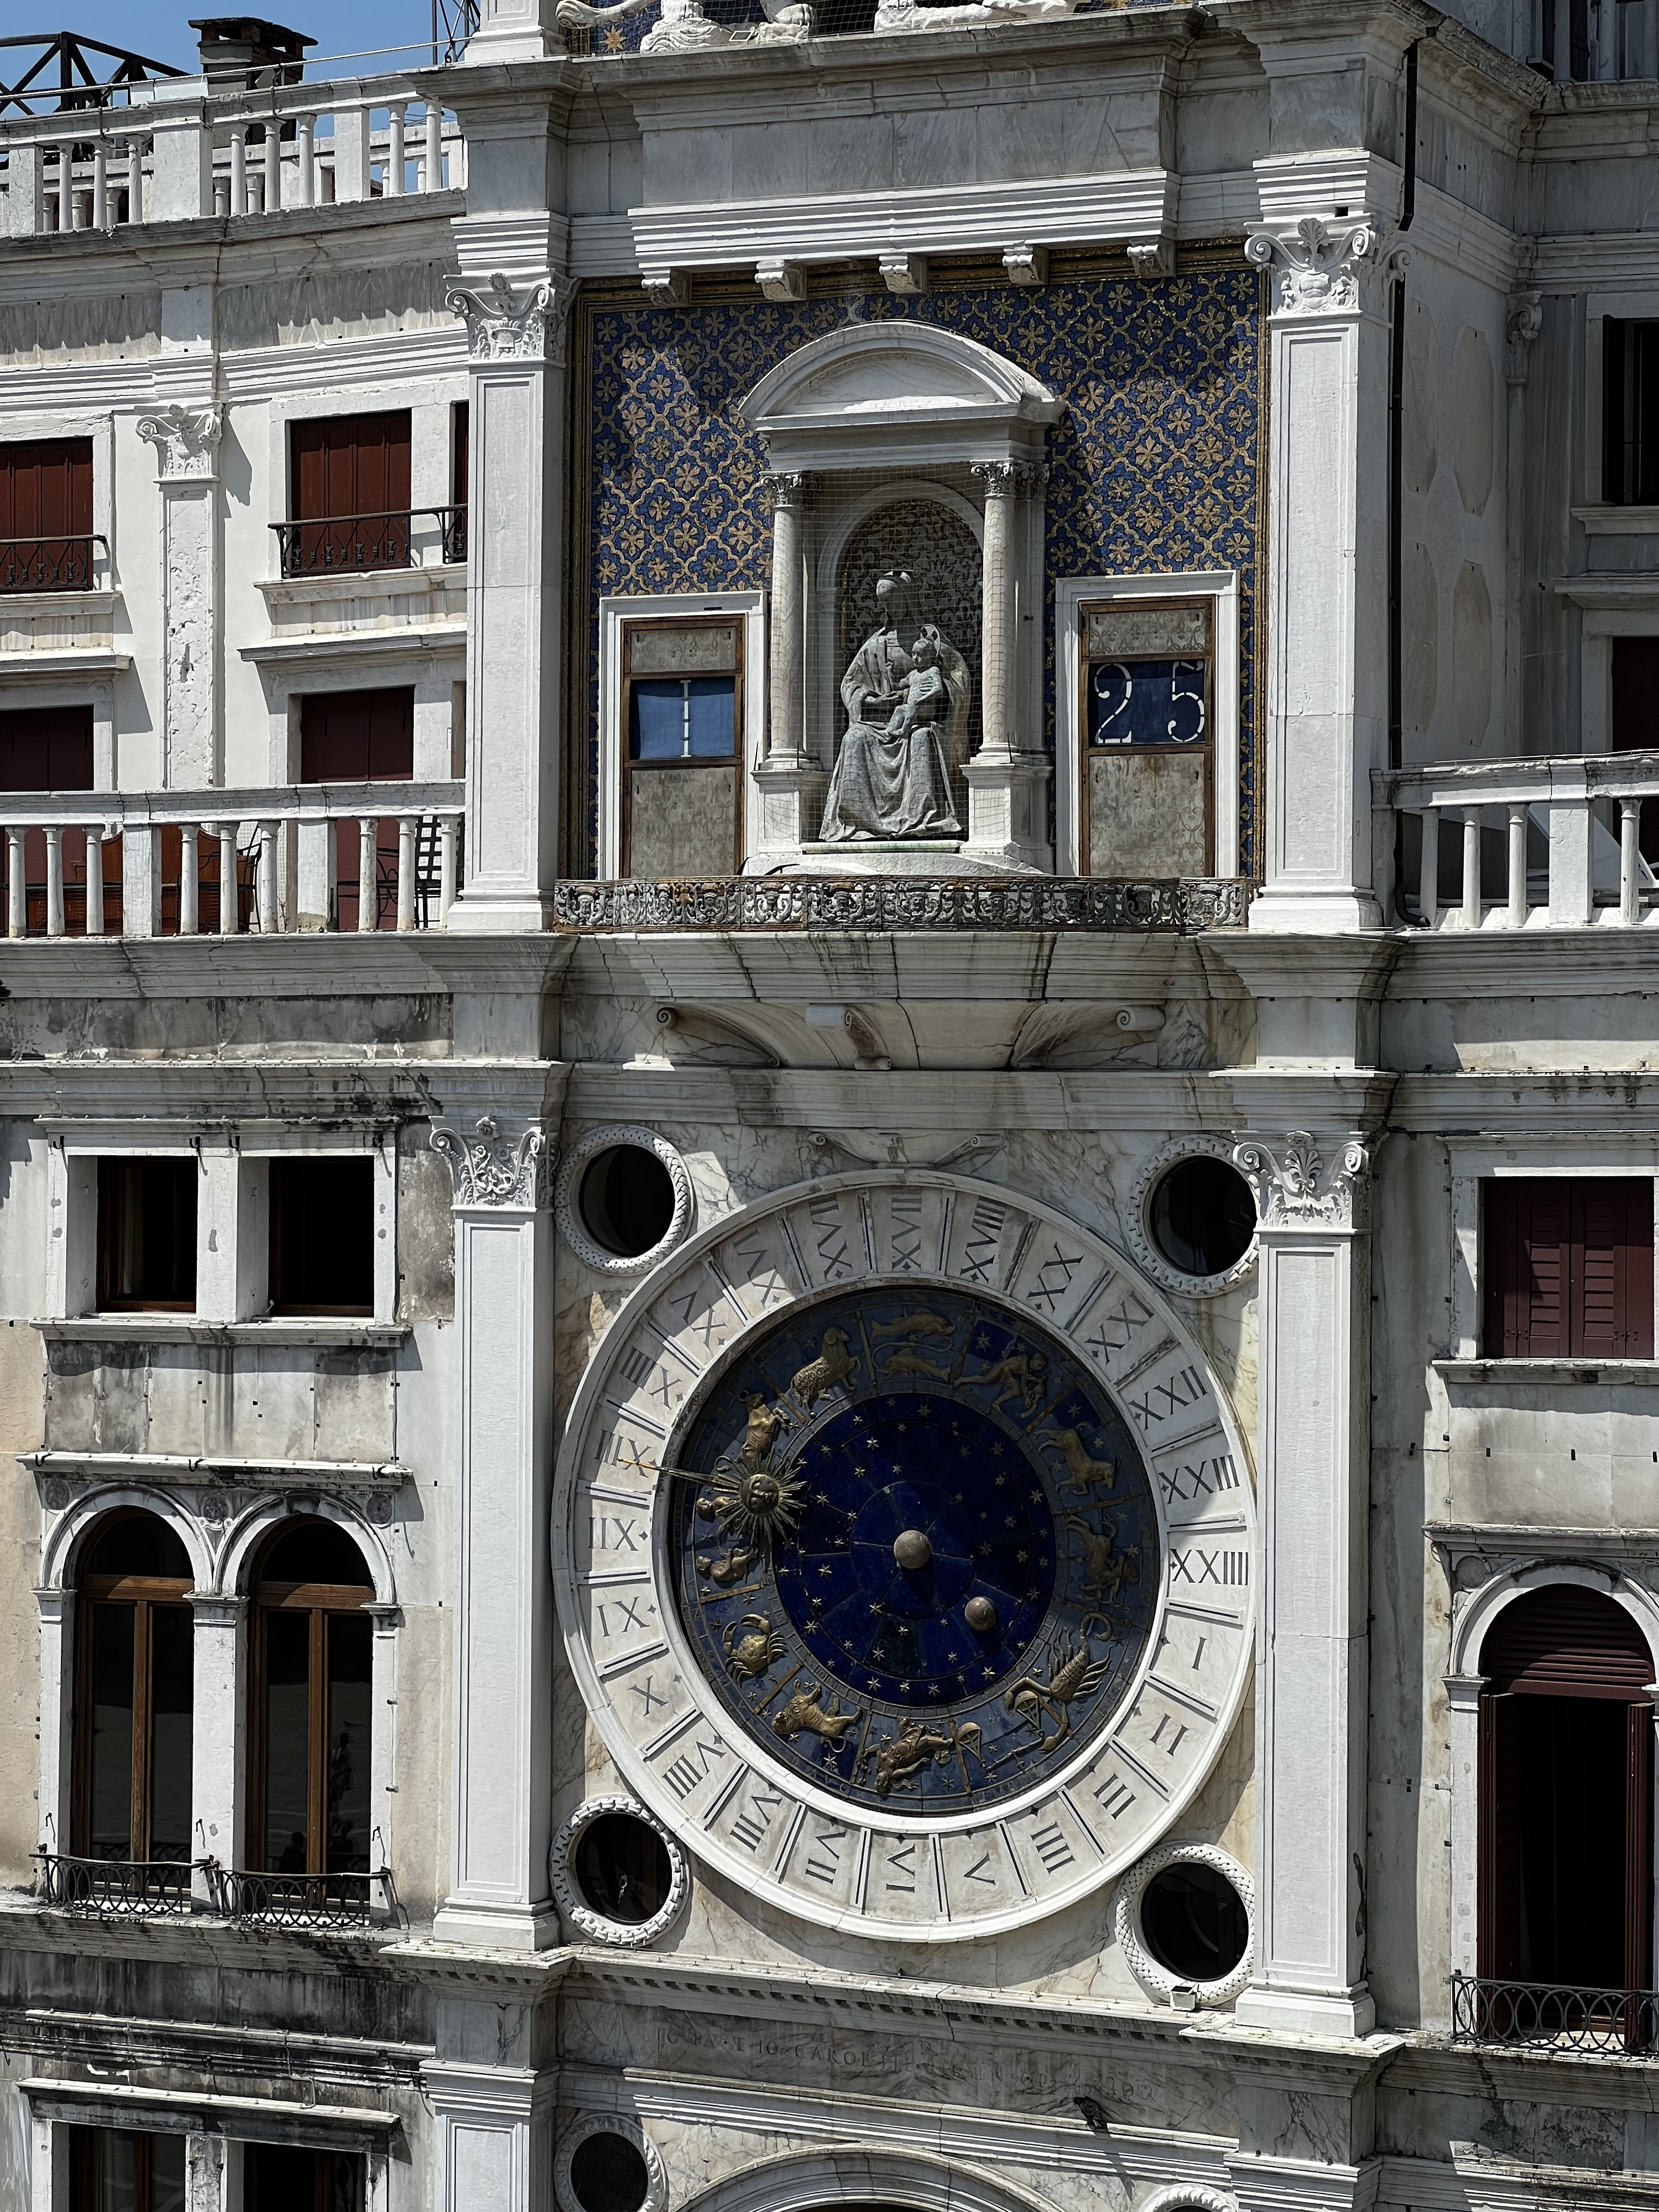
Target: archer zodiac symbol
[(747, 1657), (899, 1759), (1072, 1674)]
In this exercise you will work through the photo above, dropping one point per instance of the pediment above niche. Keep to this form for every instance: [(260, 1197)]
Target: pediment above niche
[(877, 395)]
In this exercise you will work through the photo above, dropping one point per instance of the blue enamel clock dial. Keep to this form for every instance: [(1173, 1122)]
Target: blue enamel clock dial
[(915, 1549)]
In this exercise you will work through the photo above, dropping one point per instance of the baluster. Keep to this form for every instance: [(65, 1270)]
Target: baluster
[(230, 891), (1518, 913), (54, 880), (447, 829), (273, 152), (52, 205), (394, 158), (1630, 863), (305, 192), (238, 168), (1472, 867), (267, 838), (17, 916), (189, 880), (95, 879), (434, 147), (405, 872), (369, 838), (134, 180), (1428, 870), (100, 185)]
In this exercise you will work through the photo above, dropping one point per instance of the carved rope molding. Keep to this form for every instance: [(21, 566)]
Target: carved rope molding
[(490, 1169), (185, 438), (1320, 271), (502, 326), (1295, 1189)]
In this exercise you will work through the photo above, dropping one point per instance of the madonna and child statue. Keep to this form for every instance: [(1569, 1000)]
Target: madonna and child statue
[(907, 692)]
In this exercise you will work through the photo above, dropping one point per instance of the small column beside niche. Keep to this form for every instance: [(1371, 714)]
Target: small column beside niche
[(789, 780), (1008, 776)]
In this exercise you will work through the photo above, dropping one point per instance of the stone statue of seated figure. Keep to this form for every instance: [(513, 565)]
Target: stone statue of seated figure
[(906, 691)]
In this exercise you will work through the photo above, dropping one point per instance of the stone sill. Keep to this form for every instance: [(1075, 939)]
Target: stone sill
[(95, 599), (337, 644), (189, 1328), (1526, 1373), (1619, 522), (209, 1467), (65, 661), (364, 584)]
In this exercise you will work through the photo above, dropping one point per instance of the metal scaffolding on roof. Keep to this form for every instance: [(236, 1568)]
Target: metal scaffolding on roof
[(80, 78)]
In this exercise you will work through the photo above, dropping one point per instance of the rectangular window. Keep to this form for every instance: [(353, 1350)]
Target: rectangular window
[(1148, 679), (459, 478), (322, 1236), (681, 713), (359, 737), (350, 487), (46, 515), (1567, 1268), (146, 1234), (50, 749), (111, 2170), (1630, 413), (281, 2177)]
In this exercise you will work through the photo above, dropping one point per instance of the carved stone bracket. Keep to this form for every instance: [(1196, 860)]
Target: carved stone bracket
[(1295, 1188), (1026, 265), (905, 274), (665, 287), (502, 326), (490, 1169), (1322, 271), (780, 280), (1151, 257), (1523, 317), (186, 441)]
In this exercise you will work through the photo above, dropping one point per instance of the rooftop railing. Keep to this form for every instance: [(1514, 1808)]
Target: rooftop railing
[(1521, 844), (1553, 2016), (178, 152), (303, 857)]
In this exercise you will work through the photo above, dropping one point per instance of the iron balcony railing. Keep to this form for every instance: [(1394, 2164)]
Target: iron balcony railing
[(335, 545), (132, 1889), (1553, 2016), (300, 1900), (49, 564)]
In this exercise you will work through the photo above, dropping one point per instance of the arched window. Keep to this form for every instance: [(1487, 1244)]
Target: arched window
[(312, 1648), (133, 1699), (1567, 1794)]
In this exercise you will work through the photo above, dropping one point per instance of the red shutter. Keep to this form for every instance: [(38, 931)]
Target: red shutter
[(351, 465), (1567, 1268), (359, 736)]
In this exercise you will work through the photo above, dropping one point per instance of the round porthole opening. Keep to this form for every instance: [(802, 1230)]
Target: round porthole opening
[(1202, 1216), (1194, 1922), (627, 1200), (623, 1871), (608, 2173)]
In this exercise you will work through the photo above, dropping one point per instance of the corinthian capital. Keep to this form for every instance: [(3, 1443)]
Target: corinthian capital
[(491, 1169), (502, 326), (1320, 271), (185, 438), (1294, 1185)]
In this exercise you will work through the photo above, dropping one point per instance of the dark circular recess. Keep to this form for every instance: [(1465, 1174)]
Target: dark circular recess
[(1194, 1922), (627, 1200), (1203, 1216), (609, 2174), (622, 1869)]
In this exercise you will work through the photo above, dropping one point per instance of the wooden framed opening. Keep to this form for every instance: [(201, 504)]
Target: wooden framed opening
[(682, 767), (1145, 797), (135, 1690)]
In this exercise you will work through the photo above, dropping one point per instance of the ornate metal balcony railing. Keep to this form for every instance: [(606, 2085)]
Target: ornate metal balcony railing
[(49, 564), (131, 1889), (342, 545), (1553, 2016), (300, 1901)]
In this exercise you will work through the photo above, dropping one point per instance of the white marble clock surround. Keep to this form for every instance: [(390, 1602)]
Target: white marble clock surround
[(725, 1797)]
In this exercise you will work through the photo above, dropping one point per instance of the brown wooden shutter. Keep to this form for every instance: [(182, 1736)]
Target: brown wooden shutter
[(346, 464), (1565, 1641), (1568, 1268)]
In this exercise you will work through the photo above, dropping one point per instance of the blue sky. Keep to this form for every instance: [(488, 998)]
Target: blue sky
[(160, 28)]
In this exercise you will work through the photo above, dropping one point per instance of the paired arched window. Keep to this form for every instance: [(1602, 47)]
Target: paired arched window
[(311, 1673), (1567, 1794), (134, 1695)]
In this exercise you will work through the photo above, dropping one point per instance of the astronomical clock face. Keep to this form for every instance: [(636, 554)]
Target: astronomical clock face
[(903, 1550)]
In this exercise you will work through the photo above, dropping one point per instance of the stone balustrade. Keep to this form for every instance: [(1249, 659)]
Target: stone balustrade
[(178, 152), (1547, 843), (153, 863)]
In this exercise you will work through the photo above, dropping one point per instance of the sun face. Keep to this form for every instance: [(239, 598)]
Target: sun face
[(751, 1504)]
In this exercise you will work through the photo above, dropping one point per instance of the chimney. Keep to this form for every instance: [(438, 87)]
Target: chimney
[(245, 49)]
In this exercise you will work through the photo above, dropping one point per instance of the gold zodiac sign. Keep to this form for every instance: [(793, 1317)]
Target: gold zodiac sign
[(747, 1498), (913, 1325), (1104, 1573), (1073, 1674), (901, 1757), (804, 1711), (905, 1359), (1083, 1470), (832, 1365), (731, 1567), (766, 1425), (1021, 1375), (747, 1657)]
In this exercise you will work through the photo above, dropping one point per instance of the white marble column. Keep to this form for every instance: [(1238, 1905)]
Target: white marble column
[(503, 1587), (1008, 776), (514, 567), (218, 1734), (1327, 625), (1312, 1634), (791, 782), (56, 1611), (207, 2161), (186, 442), (495, 2129)]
